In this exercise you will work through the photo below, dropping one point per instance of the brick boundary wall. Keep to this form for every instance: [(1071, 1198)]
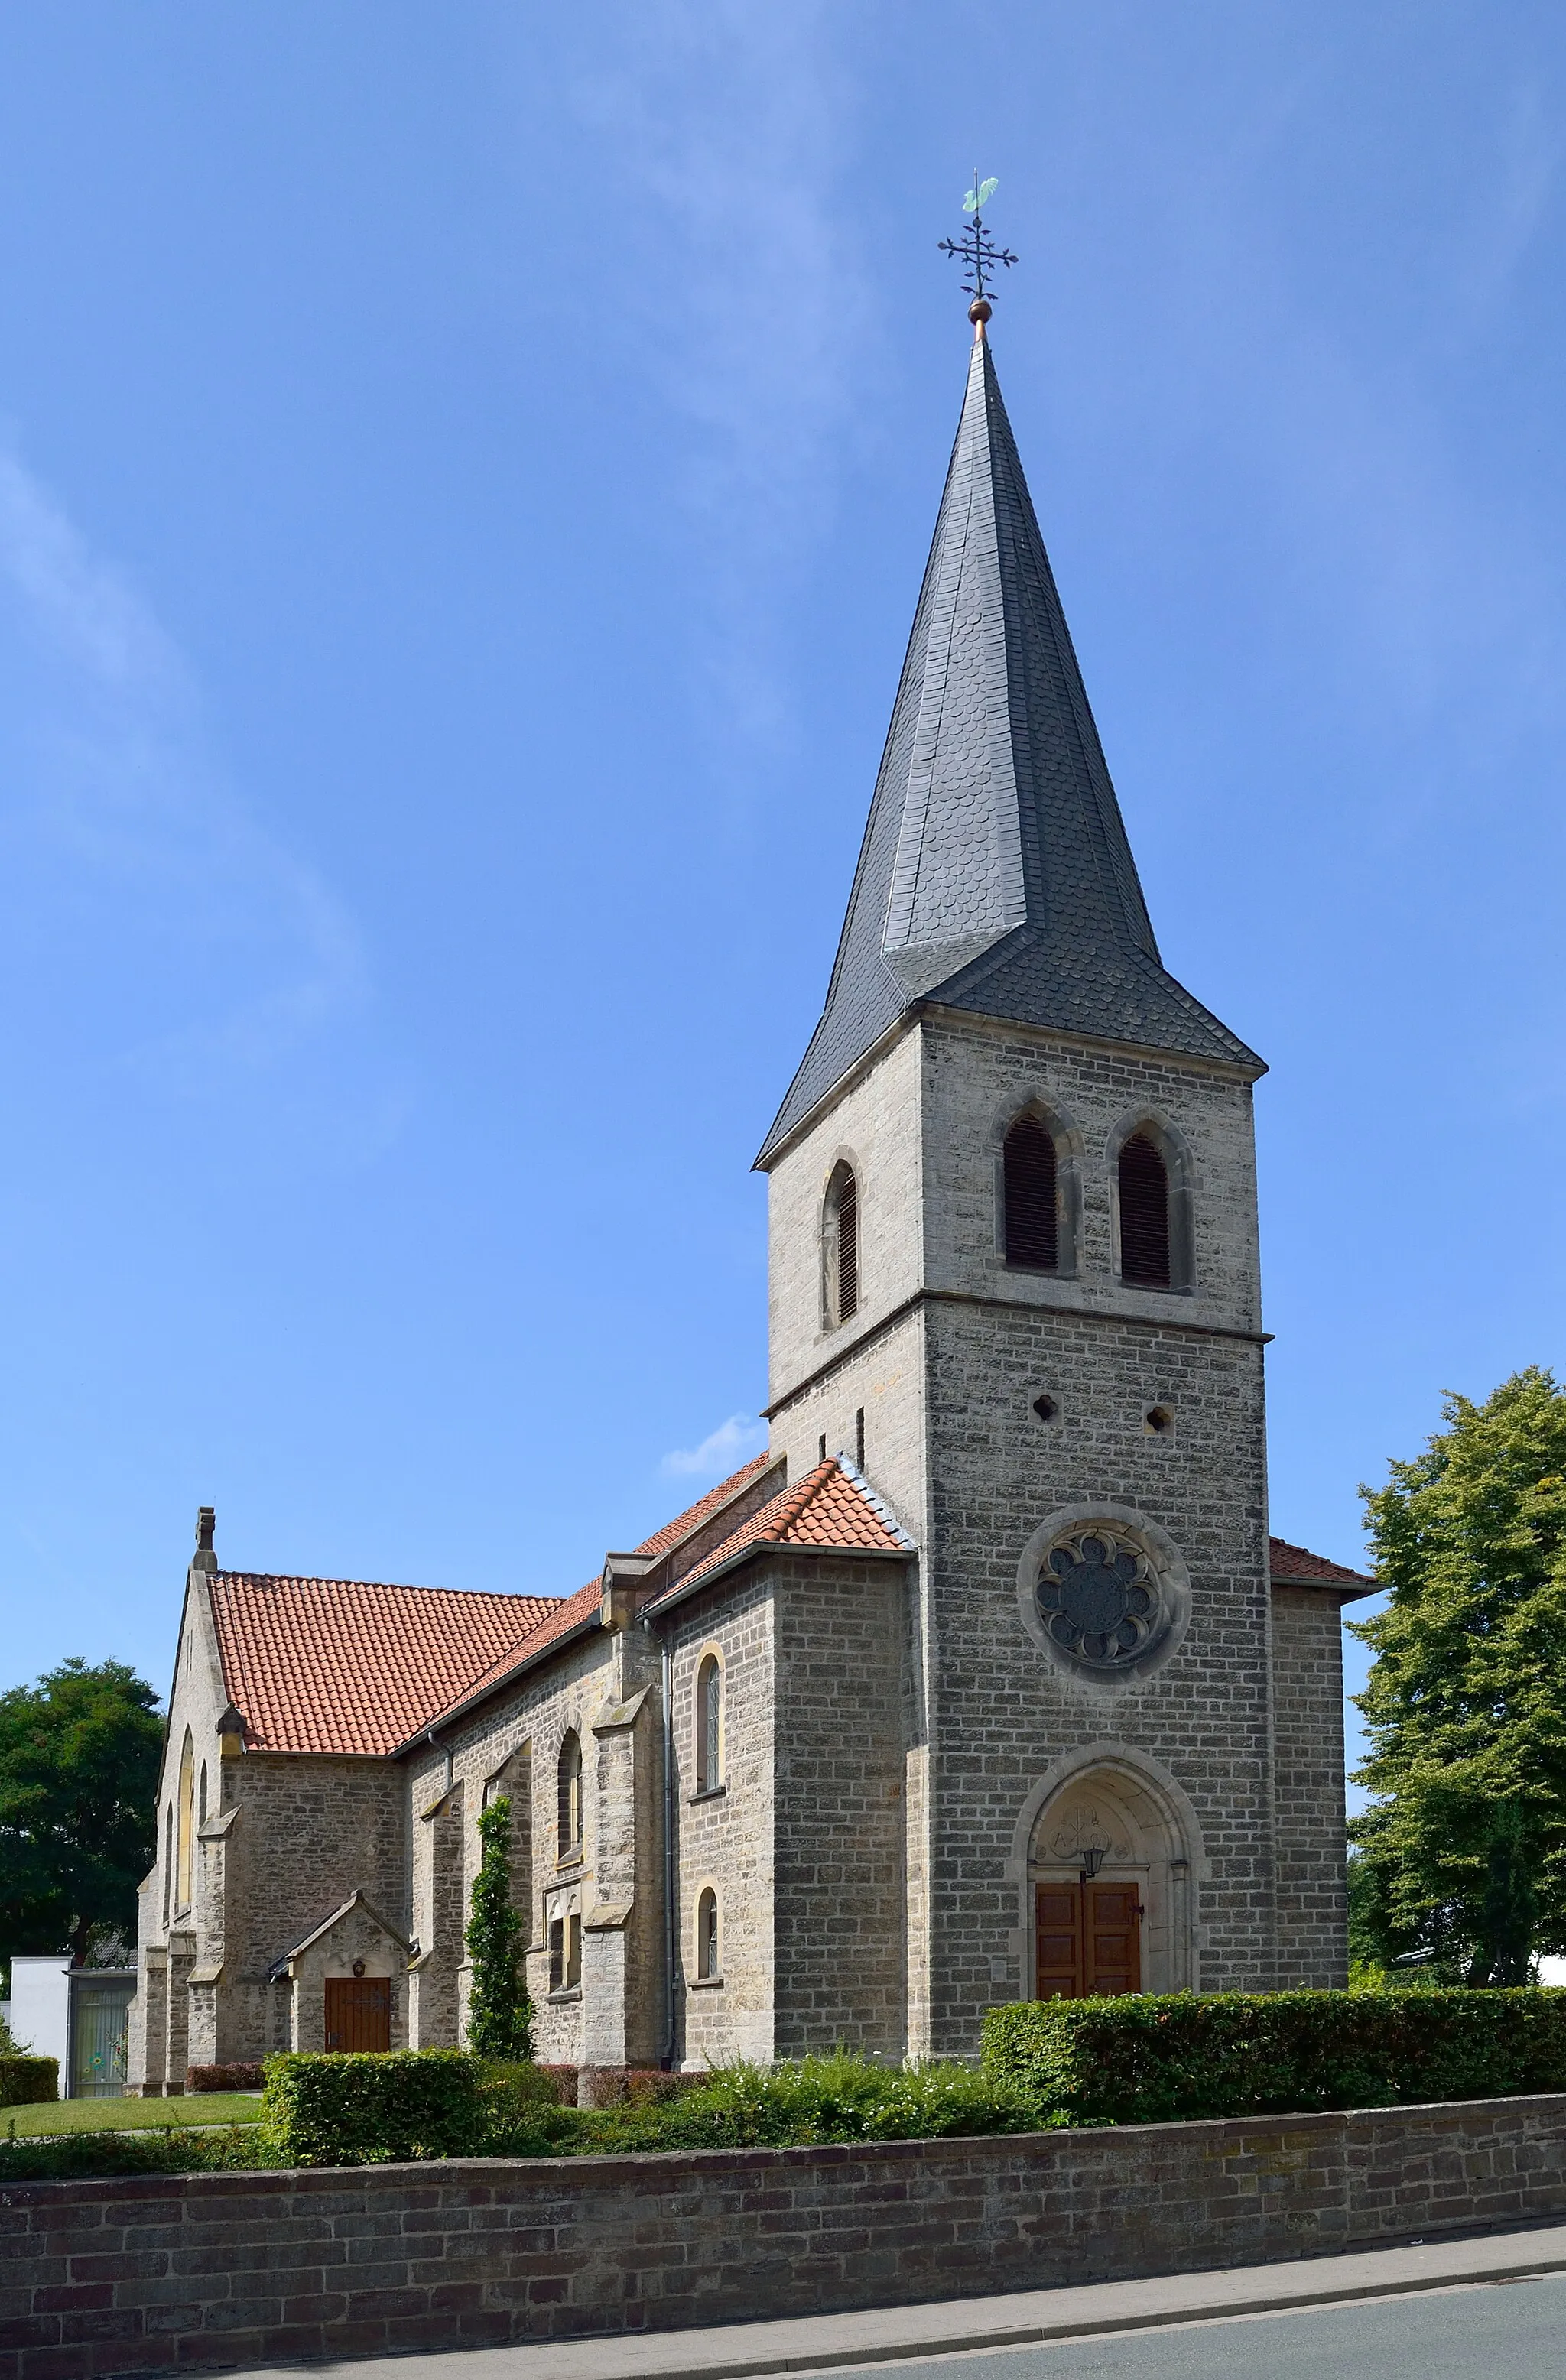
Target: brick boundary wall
[(152, 2274)]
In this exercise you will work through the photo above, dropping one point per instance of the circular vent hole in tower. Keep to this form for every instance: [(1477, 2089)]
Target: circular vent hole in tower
[(1159, 1421), (1046, 1408)]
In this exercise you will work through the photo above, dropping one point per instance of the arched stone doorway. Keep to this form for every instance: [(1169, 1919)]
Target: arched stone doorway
[(1114, 1800)]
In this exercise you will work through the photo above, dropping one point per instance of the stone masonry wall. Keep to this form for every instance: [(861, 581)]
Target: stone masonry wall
[(436, 1919), (946, 1357), (724, 1840), (157, 2274), (512, 1744), (1307, 1669), (171, 1943), (821, 1378), (1002, 1711), (841, 1874), (311, 1829)]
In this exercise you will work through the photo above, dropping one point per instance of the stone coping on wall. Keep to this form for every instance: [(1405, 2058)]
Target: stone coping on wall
[(155, 2273)]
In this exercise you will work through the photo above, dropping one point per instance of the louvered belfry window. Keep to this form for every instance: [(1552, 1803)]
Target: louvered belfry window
[(1032, 1228), (842, 1249), (1143, 1214)]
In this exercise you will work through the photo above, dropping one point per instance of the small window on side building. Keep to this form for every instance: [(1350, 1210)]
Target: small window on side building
[(707, 1944), (570, 1795), (565, 1953), (709, 1724)]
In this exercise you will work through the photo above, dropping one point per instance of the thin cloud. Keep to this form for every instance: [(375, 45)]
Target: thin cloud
[(117, 822), (722, 1451), (731, 124)]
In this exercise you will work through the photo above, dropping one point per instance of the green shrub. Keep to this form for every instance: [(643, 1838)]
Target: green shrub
[(835, 2098), (521, 2112), (25, 2081), (1148, 2060), (67, 2157), (500, 2014), (373, 2108)]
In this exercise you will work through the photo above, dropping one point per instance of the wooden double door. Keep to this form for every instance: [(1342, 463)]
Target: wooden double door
[(1089, 1939), (359, 2012)]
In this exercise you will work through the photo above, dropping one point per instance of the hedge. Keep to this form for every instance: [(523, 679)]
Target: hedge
[(1151, 2060), (433, 2103), (26, 2081), (371, 2108), (70, 2156)]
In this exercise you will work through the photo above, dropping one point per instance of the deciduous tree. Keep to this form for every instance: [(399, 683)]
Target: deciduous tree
[(1463, 1848), (78, 1779)]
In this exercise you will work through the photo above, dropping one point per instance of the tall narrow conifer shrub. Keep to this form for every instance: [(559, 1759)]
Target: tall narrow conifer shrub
[(500, 2015)]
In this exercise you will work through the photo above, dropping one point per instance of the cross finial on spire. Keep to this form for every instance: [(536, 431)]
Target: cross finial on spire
[(979, 253)]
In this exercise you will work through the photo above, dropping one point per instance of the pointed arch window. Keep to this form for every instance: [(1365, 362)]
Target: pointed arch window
[(1144, 1214), (710, 1724), (708, 1965), (570, 1795), (187, 1823), (168, 1862), (840, 1245), (1030, 1192)]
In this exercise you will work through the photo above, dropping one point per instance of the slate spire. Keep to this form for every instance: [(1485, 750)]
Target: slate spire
[(995, 875)]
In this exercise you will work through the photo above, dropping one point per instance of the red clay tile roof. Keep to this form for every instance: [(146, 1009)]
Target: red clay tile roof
[(1292, 1566), (570, 1612), (827, 1508), (662, 1539), (339, 1665), (566, 1612)]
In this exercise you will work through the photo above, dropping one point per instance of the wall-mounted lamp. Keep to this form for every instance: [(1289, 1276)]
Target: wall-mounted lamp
[(359, 1966), (1090, 1861)]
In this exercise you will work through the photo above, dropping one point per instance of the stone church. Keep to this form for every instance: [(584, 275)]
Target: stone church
[(986, 1680)]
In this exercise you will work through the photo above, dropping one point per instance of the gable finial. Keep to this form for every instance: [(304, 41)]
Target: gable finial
[(978, 251)]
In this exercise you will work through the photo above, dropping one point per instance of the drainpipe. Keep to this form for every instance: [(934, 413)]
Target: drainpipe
[(667, 2059)]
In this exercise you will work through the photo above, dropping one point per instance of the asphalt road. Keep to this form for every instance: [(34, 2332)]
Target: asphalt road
[(1499, 2330)]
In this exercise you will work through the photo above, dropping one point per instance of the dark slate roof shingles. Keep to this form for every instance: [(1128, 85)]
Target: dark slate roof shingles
[(995, 874)]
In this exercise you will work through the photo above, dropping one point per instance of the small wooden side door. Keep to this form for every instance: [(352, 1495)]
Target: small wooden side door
[(1112, 1951), (359, 2012), (1058, 1974)]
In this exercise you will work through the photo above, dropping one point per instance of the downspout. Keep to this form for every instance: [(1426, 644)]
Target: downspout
[(666, 2059)]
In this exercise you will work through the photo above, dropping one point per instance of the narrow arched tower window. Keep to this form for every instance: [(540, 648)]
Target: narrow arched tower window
[(168, 1861), (840, 1247), (709, 1725), (187, 1823), (1031, 1214), (570, 1799), (706, 1965), (1143, 1214)]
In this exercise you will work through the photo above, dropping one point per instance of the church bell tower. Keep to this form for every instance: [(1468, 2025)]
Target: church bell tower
[(1015, 1277)]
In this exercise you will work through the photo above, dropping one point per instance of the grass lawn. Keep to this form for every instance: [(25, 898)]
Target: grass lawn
[(129, 2115)]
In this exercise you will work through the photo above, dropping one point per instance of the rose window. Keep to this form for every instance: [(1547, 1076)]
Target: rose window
[(1099, 1598)]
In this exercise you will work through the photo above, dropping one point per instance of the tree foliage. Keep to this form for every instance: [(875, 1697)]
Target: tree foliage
[(78, 1779), (1463, 1851), (500, 2015)]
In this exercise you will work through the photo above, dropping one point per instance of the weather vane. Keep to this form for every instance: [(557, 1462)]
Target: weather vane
[(978, 251)]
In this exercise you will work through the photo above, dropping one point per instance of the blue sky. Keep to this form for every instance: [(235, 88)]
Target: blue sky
[(464, 478)]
